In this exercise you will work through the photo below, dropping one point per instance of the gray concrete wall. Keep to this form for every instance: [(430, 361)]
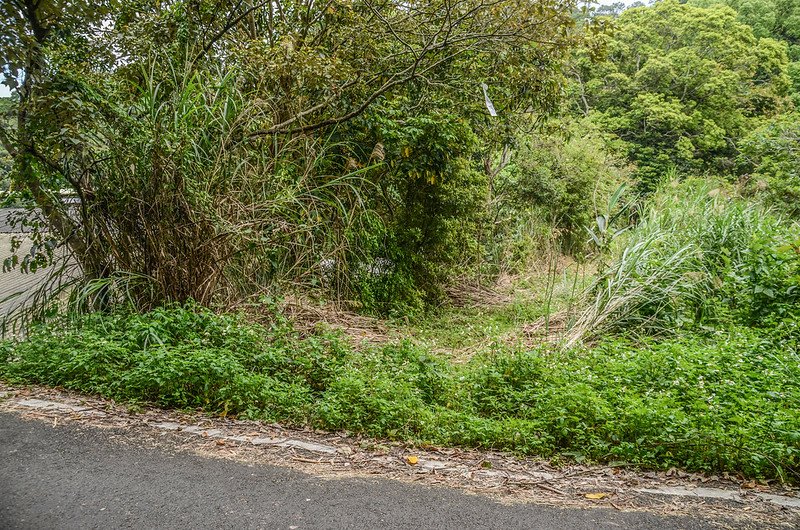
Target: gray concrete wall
[(15, 281)]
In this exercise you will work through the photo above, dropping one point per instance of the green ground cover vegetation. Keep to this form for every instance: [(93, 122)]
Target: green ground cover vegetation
[(711, 401), (697, 367), (623, 182)]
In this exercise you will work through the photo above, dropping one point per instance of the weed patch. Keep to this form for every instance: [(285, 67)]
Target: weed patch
[(720, 401), (695, 260)]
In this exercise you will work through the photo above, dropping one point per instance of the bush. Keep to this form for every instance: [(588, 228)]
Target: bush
[(181, 356), (769, 156), (722, 401), (696, 258), (562, 177), (429, 197)]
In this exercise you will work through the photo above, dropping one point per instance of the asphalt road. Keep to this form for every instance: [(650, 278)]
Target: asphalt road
[(76, 477)]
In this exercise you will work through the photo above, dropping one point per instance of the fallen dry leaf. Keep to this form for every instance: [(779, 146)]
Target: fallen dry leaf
[(596, 496)]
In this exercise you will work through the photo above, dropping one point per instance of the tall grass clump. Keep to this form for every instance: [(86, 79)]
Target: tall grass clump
[(175, 202), (697, 258)]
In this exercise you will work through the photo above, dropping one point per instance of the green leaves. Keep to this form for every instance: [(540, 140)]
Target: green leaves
[(215, 147), (724, 401), (680, 86), (693, 260), (769, 155)]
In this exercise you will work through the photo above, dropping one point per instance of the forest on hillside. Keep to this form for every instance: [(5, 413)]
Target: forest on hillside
[(576, 228), (316, 146)]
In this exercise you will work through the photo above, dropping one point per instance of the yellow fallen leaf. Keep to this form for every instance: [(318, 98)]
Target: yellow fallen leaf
[(412, 460), (596, 495)]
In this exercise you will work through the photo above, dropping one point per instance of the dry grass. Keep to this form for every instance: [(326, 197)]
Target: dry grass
[(469, 292), (309, 316)]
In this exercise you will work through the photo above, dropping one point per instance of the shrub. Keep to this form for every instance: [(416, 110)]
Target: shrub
[(769, 156), (181, 356), (429, 197), (723, 401), (562, 176), (695, 258)]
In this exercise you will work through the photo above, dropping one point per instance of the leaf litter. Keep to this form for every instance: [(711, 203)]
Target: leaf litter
[(735, 503)]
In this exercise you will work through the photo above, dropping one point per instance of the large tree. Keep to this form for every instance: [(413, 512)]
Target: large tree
[(777, 19), (195, 132), (680, 85)]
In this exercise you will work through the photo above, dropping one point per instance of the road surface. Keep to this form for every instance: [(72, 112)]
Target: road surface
[(75, 477)]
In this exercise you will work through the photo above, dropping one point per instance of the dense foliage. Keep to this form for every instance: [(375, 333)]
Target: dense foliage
[(770, 161), (681, 85), (696, 259), (220, 148), (558, 181), (722, 402), (196, 154)]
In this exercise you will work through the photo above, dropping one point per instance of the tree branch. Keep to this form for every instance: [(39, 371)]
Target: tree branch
[(5, 139), (229, 25)]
